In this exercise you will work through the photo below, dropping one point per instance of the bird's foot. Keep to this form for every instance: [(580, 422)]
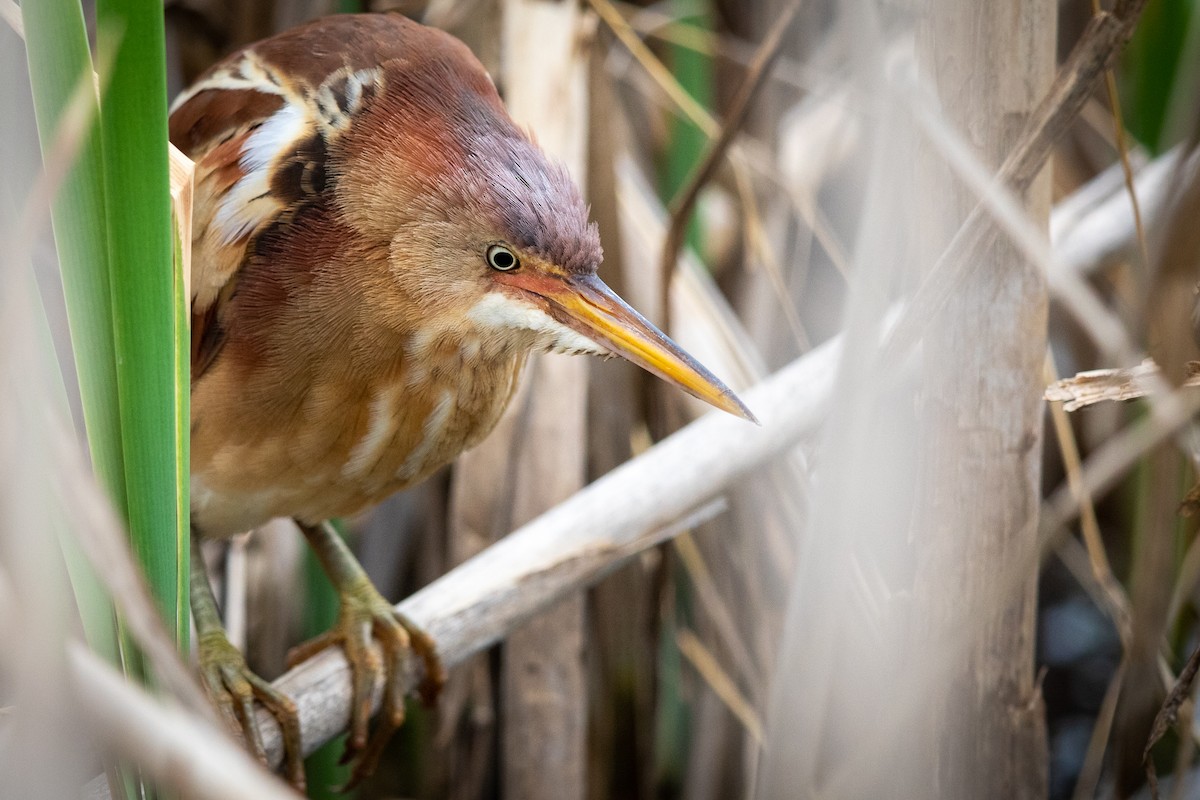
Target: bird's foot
[(365, 616), (233, 688)]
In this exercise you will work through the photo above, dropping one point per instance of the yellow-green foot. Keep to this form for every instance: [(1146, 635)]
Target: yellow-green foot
[(366, 619), (234, 688), (231, 685)]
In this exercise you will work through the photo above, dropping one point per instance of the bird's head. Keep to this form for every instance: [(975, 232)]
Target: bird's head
[(489, 235)]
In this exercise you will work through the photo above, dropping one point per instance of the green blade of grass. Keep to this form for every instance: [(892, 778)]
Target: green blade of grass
[(144, 296)]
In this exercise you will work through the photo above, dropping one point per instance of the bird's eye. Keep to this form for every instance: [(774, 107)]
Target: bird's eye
[(501, 258)]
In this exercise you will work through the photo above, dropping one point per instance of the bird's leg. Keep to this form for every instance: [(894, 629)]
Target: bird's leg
[(365, 614), (230, 683)]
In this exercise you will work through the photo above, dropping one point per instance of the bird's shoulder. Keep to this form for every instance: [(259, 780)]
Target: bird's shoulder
[(261, 126), (328, 68)]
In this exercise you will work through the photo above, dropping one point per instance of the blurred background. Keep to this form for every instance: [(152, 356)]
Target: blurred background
[(944, 587)]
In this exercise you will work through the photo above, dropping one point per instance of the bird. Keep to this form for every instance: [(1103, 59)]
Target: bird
[(376, 249)]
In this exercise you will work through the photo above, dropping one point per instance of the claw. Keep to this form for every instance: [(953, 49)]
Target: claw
[(231, 685), (367, 621), (234, 688), (368, 628)]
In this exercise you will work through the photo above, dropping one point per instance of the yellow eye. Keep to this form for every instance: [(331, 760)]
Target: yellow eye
[(501, 258)]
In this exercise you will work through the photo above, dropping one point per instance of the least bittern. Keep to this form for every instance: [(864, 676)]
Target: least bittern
[(377, 247)]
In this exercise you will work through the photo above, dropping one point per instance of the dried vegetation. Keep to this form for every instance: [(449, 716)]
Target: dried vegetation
[(841, 602)]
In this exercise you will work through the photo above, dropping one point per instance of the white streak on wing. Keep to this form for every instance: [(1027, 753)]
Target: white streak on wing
[(239, 213), (435, 425), (499, 312), (246, 75), (380, 429), (279, 132)]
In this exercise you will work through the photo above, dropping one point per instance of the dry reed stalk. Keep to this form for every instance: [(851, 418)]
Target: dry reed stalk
[(916, 588), (543, 683), (983, 354), (623, 630)]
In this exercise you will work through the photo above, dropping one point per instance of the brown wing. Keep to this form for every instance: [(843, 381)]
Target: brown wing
[(259, 126)]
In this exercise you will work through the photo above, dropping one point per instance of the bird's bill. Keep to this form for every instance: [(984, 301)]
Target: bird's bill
[(587, 306)]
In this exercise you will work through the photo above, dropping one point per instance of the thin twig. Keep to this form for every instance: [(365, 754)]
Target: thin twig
[(1119, 136), (1093, 761), (682, 204), (1110, 81), (1168, 714), (719, 681), (1114, 595)]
